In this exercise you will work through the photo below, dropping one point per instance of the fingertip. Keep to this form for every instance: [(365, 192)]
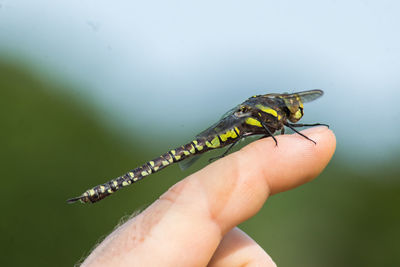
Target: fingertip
[(296, 160), (323, 149), (321, 133)]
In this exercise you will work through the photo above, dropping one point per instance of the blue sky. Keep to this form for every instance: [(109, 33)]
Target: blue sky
[(177, 66)]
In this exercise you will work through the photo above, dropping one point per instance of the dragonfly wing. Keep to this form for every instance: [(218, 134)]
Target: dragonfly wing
[(304, 97), (185, 164), (228, 121), (308, 96), (220, 127)]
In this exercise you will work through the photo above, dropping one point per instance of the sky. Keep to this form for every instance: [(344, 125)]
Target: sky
[(176, 66)]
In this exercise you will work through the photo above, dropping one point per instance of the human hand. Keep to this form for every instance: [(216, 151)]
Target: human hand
[(194, 222)]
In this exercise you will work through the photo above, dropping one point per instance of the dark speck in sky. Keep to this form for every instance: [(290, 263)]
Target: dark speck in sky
[(93, 25)]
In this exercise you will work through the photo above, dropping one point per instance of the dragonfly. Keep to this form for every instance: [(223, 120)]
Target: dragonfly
[(262, 115)]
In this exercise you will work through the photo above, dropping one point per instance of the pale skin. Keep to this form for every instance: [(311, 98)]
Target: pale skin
[(194, 222)]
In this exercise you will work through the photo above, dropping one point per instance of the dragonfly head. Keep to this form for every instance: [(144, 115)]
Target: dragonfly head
[(295, 108)]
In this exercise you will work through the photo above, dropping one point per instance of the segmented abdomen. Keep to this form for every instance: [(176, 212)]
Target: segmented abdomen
[(175, 155)]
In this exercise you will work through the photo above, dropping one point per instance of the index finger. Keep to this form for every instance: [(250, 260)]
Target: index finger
[(185, 226)]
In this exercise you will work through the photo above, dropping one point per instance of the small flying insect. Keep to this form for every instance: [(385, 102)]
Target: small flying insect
[(259, 115)]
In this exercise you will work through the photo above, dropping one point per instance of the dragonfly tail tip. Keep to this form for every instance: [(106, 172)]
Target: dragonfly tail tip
[(73, 200)]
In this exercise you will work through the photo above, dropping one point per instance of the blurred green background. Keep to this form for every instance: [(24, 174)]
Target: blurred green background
[(76, 102)]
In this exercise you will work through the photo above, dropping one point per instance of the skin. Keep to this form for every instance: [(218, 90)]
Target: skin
[(194, 222)]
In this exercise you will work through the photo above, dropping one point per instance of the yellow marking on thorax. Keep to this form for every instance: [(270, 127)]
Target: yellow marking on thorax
[(237, 130), (151, 163), (164, 162), (253, 122), (267, 110), (131, 174), (144, 173)]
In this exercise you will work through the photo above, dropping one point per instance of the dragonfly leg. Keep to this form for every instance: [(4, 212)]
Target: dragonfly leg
[(269, 133), (305, 125), (225, 153), (291, 126)]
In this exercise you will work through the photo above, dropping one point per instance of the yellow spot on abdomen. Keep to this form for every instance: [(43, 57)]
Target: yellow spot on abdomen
[(214, 143), (224, 136), (199, 147), (192, 149), (126, 183), (229, 134), (233, 134)]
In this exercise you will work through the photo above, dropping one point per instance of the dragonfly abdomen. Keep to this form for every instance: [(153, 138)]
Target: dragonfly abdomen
[(175, 155), (195, 147)]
